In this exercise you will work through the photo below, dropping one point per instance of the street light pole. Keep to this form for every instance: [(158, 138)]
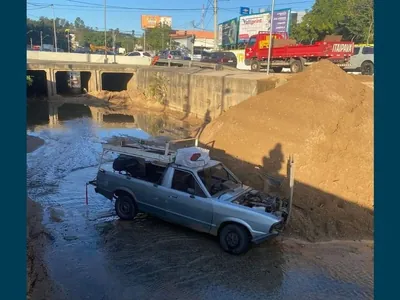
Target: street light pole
[(31, 43), (270, 36), (105, 32), (41, 41), (54, 28), (215, 24)]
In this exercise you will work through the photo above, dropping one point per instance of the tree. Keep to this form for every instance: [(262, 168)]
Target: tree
[(78, 23), (158, 38), (353, 19)]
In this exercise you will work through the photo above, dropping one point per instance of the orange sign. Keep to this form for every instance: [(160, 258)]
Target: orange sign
[(154, 21)]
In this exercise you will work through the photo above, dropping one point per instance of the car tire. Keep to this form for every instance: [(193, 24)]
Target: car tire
[(255, 66), (234, 239), (277, 69), (367, 68), (296, 66), (125, 207)]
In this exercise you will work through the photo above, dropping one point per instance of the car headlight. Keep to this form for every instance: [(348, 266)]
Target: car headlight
[(278, 226)]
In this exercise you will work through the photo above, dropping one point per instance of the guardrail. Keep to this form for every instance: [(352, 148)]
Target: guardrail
[(186, 63)]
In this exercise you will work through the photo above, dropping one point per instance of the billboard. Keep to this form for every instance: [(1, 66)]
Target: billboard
[(252, 24), (154, 21), (228, 32)]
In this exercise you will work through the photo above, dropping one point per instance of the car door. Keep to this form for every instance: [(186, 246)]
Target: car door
[(187, 203)]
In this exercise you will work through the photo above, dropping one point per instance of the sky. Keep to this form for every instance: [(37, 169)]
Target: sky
[(125, 15)]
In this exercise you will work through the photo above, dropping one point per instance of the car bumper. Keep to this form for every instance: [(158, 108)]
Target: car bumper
[(265, 237)]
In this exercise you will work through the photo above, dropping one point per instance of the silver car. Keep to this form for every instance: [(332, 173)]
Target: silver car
[(362, 60), (208, 199)]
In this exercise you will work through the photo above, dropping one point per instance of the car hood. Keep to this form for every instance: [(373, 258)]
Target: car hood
[(234, 193)]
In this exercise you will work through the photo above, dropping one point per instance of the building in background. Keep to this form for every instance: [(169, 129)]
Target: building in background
[(297, 16), (204, 39)]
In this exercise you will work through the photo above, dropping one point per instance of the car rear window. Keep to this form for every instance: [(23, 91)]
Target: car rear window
[(146, 54), (368, 50)]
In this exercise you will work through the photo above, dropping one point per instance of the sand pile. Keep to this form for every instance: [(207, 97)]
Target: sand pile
[(324, 117)]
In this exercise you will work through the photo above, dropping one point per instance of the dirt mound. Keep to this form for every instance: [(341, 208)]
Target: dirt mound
[(324, 117)]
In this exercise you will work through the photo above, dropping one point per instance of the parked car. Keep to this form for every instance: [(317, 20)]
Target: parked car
[(139, 53), (187, 187), (171, 54), (362, 60), (223, 58)]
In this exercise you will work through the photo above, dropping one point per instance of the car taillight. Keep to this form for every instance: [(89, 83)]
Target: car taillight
[(170, 56), (224, 60)]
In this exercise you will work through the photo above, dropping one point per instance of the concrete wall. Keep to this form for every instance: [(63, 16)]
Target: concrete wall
[(205, 94), (86, 58)]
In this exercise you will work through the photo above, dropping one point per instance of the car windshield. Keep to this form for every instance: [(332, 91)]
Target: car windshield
[(217, 179)]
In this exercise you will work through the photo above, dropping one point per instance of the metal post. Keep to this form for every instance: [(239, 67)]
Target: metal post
[(215, 24), (54, 29), (114, 36), (144, 40), (270, 36), (31, 43), (105, 32), (41, 41), (69, 48)]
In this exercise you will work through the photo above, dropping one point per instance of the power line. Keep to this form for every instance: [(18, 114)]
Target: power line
[(91, 6)]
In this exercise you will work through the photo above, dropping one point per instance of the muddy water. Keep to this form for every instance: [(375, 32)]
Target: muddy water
[(95, 256)]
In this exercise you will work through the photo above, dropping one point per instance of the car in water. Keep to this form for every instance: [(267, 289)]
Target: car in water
[(225, 58), (187, 187)]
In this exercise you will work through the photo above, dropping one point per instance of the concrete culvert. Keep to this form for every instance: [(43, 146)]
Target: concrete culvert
[(116, 82), (38, 88)]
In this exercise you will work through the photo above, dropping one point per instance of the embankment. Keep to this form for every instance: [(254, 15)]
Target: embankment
[(39, 286), (324, 117), (202, 93)]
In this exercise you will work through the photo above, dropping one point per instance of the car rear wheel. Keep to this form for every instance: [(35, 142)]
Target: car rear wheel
[(234, 239), (125, 207), (367, 68), (296, 66)]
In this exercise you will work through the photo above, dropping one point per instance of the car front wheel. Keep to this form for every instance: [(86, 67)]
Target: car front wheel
[(125, 207), (234, 239)]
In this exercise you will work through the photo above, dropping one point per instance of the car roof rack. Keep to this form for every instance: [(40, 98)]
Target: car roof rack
[(150, 150)]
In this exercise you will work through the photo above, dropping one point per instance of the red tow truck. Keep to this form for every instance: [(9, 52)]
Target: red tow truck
[(286, 53)]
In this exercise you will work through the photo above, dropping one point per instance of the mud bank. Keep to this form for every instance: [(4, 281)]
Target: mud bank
[(324, 117), (39, 286)]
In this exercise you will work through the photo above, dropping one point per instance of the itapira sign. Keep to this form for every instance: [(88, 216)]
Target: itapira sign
[(253, 24)]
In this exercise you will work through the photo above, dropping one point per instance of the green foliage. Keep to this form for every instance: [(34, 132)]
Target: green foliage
[(353, 19), (158, 88), (158, 38), (29, 80), (84, 35)]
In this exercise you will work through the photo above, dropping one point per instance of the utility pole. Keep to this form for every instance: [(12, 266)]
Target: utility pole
[(270, 36), (105, 32), (144, 40), (41, 41), (54, 28), (114, 37), (31, 43), (215, 24)]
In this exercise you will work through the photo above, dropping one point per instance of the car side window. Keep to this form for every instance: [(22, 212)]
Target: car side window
[(185, 182), (356, 50), (368, 50)]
